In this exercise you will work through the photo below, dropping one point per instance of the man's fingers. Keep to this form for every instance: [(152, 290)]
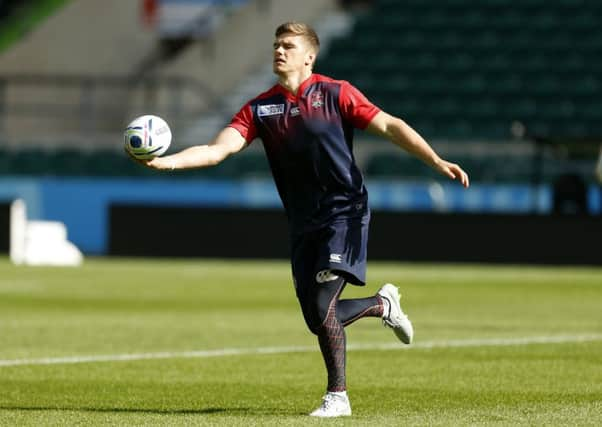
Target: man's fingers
[(465, 180), (142, 162), (456, 172)]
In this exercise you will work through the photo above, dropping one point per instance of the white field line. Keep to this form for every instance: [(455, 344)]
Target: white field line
[(484, 342)]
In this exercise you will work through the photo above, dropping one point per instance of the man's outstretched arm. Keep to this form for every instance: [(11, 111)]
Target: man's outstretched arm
[(400, 133), (228, 141)]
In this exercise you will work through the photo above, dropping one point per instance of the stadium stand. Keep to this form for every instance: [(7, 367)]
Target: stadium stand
[(466, 69), (71, 162), (457, 70)]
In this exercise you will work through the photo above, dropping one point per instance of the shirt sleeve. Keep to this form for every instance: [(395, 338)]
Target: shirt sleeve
[(355, 107), (243, 122)]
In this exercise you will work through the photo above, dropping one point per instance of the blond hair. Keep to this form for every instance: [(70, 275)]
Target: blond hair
[(300, 29)]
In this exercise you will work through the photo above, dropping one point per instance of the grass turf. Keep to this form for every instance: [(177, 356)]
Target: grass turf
[(117, 306)]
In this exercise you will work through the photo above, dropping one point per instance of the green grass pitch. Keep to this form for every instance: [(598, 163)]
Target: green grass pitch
[(493, 346)]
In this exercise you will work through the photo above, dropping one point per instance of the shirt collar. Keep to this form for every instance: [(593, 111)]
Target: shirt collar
[(304, 84)]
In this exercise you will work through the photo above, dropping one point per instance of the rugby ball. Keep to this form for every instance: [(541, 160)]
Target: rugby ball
[(147, 137)]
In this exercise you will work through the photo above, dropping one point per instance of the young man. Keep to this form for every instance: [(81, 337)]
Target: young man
[(306, 124)]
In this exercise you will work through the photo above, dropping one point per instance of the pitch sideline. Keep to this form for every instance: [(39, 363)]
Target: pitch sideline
[(485, 342)]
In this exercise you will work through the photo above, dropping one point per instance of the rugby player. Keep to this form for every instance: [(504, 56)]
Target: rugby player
[(306, 123)]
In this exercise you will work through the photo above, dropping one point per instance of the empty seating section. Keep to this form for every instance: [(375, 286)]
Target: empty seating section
[(74, 163), (484, 169), (456, 70), (253, 164), (466, 69)]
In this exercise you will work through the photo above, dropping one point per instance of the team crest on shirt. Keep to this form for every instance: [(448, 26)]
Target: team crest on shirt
[(317, 99), (270, 110)]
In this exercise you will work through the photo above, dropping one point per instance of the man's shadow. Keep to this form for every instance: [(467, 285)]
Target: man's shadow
[(150, 411), (211, 410)]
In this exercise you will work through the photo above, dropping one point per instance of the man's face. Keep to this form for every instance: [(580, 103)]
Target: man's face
[(291, 53)]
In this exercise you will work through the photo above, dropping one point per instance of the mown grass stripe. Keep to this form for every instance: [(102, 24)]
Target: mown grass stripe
[(484, 342)]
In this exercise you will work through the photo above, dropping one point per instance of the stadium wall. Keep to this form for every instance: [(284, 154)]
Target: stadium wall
[(84, 38), (4, 227), (242, 43), (242, 233), (230, 219), (227, 233), (54, 86)]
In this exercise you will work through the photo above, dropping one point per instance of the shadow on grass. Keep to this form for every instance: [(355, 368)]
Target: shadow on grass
[(206, 411)]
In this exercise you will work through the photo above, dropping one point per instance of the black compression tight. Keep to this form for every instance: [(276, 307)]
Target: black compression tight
[(326, 317)]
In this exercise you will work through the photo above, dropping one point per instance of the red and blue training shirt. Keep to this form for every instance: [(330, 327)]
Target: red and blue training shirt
[(308, 140)]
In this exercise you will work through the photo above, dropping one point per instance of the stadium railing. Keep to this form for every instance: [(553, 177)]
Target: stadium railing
[(36, 106)]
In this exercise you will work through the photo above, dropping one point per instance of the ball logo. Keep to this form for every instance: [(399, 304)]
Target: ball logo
[(162, 130), (135, 141)]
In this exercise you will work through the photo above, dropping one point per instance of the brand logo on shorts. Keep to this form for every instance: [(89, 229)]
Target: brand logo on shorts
[(270, 110), (336, 258), (326, 276)]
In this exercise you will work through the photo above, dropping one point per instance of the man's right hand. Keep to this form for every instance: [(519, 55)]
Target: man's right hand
[(227, 142), (155, 163)]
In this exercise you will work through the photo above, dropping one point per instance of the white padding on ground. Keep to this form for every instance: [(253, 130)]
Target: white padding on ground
[(39, 242)]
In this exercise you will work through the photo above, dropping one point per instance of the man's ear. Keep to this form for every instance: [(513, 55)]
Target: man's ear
[(310, 58)]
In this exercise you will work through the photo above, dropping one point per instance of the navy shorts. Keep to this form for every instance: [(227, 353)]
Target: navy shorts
[(340, 246)]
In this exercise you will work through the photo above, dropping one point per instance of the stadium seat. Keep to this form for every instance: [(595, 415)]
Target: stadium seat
[(388, 165), (248, 165), (34, 161), (68, 162), (499, 59)]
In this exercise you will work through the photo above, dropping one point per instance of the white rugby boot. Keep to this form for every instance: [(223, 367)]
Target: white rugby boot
[(396, 318), (333, 405)]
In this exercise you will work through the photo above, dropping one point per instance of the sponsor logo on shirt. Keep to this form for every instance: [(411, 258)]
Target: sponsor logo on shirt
[(317, 99), (295, 111), (270, 110), (336, 258)]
